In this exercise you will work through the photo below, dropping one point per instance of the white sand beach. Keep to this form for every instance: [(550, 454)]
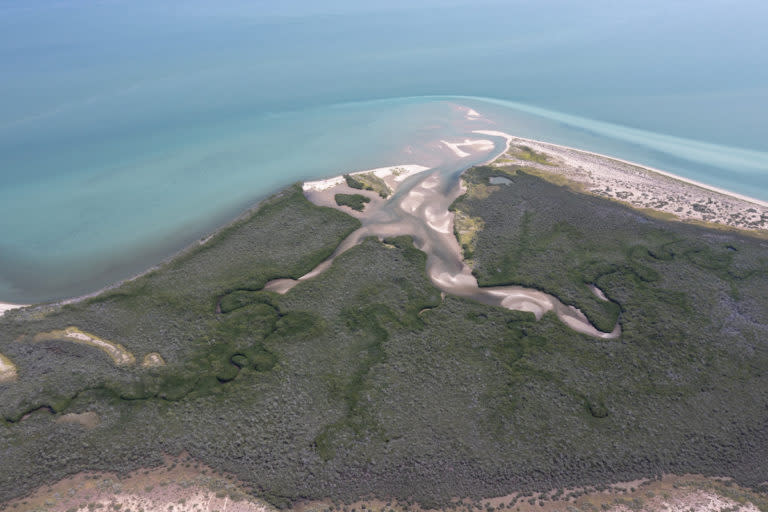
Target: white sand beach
[(637, 185), (396, 173), (4, 306)]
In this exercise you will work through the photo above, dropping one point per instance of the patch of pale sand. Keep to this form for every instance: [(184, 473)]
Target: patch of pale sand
[(411, 202), (323, 184), (524, 299), (698, 500), (450, 280), (8, 371), (394, 173), (479, 145), (495, 133), (579, 322), (88, 419), (438, 219), (153, 360), (671, 493), (120, 356), (598, 293), (181, 485), (473, 114), (644, 187), (281, 286), (4, 306)]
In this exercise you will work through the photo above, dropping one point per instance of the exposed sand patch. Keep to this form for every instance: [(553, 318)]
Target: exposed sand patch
[(180, 485), (4, 306), (638, 186), (120, 356), (323, 192), (394, 173), (153, 360), (88, 420), (598, 293), (478, 145), (7, 370)]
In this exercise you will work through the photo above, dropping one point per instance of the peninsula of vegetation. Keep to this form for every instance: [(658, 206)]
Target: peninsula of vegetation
[(524, 336)]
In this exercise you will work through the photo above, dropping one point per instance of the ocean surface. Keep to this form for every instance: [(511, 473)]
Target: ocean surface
[(131, 128)]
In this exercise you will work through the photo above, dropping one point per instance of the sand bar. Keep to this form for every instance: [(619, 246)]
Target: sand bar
[(479, 145)]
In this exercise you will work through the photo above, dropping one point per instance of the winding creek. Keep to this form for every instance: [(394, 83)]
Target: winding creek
[(419, 208)]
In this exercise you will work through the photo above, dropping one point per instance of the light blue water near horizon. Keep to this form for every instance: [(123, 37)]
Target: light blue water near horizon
[(129, 129)]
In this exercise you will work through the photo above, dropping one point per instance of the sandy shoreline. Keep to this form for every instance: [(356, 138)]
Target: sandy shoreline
[(637, 185), (4, 306), (641, 166)]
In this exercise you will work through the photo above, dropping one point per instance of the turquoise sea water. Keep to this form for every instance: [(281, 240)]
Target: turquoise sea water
[(129, 129)]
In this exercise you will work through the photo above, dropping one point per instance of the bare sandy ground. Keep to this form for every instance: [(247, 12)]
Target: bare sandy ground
[(118, 353), (419, 207), (7, 370), (4, 306), (153, 360), (639, 186), (182, 484)]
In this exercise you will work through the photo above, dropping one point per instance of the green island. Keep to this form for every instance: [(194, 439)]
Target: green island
[(367, 181), (365, 383), (354, 201)]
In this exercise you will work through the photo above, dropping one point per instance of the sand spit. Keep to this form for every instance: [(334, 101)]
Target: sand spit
[(180, 485), (119, 355), (420, 208), (639, 186), (7, 370)]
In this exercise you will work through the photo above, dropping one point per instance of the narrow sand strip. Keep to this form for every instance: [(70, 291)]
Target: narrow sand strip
[(4, 306), (396, 173), (117, 352), (7, 370)]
